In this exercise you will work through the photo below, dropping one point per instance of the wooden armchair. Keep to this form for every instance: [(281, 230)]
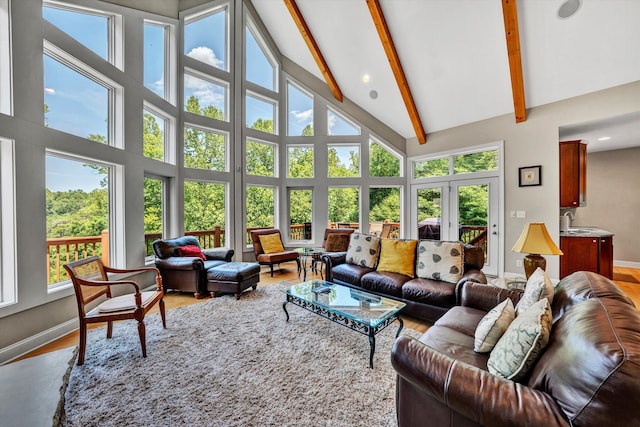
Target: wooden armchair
[(90, 282), (274, 254)]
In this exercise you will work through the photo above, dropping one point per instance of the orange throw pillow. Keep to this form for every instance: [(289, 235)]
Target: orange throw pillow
[(271, 243), (397, 256)]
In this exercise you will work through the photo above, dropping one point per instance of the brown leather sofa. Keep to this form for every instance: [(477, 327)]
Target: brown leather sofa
[(426, 299), (588, 375), (185, 273)]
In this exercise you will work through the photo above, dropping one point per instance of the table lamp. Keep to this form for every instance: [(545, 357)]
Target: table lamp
[(534, 241)]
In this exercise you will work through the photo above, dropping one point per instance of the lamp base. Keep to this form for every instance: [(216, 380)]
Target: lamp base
[(532, 262)]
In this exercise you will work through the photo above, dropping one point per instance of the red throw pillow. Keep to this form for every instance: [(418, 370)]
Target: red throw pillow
[(191, 250)]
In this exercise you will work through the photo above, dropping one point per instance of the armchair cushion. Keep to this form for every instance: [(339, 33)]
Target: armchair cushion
[(125, 302), (337, 242), (191, 250), (518, 349), (397, 256), (440, 260), (363, 250), (271, 243)]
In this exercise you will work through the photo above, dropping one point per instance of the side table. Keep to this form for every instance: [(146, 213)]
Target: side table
[(307, 254), (508, 282)]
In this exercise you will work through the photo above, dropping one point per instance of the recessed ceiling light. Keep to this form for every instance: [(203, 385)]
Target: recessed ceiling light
[(568, 8), (365, 78), (604, 138), (373, 94)]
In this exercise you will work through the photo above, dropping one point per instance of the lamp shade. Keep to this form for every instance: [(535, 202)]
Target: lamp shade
[(535, 239)]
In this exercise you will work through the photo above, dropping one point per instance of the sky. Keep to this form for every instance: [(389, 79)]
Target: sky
[(79, 106)]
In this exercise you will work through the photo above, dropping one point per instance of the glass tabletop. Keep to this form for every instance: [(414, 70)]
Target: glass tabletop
[(352, 303)]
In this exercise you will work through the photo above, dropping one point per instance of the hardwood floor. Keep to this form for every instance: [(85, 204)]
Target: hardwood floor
[(288, 272)]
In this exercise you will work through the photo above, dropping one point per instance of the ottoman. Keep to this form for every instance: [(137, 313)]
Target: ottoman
[(233, 278)]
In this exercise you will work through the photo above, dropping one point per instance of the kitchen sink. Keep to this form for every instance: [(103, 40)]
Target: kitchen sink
[(580, 231)]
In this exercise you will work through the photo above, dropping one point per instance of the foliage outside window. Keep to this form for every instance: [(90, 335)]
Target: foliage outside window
[(260, 207), (300, 161), (77, 205), (300, 107), (344, 161), (473, 204), (204, 149), (212, 49), (260, 114), (475, 162), (155, 36), (344, 204), (384, 204), (429, 204), (205, 97), (431, 168), (153, 211), (259, 69), (153, 135), (340, 125), (381, 161), (300, 214), (65, 93), (260, 158), (204, 205), (89, 28)]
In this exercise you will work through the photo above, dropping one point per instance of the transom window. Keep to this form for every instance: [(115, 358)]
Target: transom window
[(300, 108), (205, 37), (337, 124), (479, 161), (259, 67), (156, 71)]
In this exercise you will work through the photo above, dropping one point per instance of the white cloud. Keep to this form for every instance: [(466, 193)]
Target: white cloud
[(206, 55), (49, 91), (207, 93), (331, 122), (303, 116)]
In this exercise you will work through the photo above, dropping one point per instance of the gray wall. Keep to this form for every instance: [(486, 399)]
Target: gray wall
[(533, 142), (613, 200)]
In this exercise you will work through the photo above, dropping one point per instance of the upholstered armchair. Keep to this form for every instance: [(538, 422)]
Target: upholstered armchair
[(268, 248), (335, 240), (183, 264)]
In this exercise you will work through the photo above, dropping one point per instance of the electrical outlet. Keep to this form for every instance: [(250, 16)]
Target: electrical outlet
[(518, 263), (521, 214)]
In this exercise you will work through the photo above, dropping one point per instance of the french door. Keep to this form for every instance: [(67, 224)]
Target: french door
[(461, 209)]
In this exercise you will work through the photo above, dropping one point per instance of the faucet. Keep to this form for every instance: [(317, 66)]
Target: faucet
[(571, 217)]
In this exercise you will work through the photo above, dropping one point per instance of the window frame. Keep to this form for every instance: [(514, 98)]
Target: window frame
[(8, 231)]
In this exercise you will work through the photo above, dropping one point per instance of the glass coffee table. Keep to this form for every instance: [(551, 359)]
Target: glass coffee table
[(358, 310)]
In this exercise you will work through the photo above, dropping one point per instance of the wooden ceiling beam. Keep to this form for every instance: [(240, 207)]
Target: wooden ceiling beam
[(313, 47), (396, 67), (510, 14)]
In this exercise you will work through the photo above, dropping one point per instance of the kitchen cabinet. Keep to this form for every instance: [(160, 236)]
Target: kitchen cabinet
[(593, 253), (573, 174)]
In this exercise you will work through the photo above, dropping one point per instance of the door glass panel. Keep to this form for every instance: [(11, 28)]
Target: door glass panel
[(429, 213), (473, 215)]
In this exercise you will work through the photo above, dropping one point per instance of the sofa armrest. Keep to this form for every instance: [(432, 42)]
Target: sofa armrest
[(476, 394), (180, 263), (484, 297), (331, 259), (223, 254), (473, 275)]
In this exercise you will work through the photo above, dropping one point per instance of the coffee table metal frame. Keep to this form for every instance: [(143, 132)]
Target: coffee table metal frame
[(369, 327)]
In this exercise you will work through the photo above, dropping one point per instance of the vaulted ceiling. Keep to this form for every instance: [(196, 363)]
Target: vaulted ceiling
[(454, 53)]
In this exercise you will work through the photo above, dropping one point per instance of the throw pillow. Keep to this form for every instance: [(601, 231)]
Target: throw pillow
[(336, 242), (191, 250), (538, 286), (517, 351), (397, 256), (363, 250), (493, 325), (271, 243), (440, 260)]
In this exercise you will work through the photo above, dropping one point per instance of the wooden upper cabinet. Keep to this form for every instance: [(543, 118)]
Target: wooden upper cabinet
[(573, 174)]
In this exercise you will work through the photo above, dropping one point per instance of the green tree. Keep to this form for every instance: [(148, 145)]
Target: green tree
[(153, 138), (300, 162)]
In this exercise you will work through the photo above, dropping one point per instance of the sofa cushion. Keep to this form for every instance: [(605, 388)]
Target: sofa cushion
[(538, 286), (432, 292), (398, 256), (525, 338), (384, 282), (349, 273), (191, 250), (493, 325), (363, 250), (455, 344), (271, 243), (440, 260)]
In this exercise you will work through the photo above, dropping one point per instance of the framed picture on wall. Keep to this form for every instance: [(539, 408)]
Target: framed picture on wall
[(530, 176)]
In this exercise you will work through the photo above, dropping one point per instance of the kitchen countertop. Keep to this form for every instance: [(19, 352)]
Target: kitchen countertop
[(580, 231)]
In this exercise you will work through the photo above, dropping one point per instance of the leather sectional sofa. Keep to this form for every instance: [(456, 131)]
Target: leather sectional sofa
[(587, 375), (425, 298)]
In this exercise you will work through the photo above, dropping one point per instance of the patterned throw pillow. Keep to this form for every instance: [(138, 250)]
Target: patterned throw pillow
[(538, 286), (518, 349), (440, 260), (363, 250), (493, 325), (397, 256), (271, 243)]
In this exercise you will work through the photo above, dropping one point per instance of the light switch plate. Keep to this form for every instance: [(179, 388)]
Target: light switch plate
[(521, 214)]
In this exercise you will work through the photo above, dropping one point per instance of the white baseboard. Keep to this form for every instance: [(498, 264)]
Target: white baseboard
[(627, 264), (7, 354)]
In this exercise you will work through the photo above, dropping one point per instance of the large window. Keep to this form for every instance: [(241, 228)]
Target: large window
[(259, 66), (300, 161), (8, 283), (337, 124), (382, 162), (344, 161), (384, 208), (154, 212), (205, 38), (205, 149), (260, 207), (260, 158), (154, 136), (156, 70), (205, 96), (300, 213), (92, 29), (261, 114), (205, 206), (344, 207), (300, 108), (77, 211)]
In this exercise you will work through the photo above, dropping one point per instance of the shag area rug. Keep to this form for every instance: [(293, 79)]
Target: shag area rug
[(228, 362)]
